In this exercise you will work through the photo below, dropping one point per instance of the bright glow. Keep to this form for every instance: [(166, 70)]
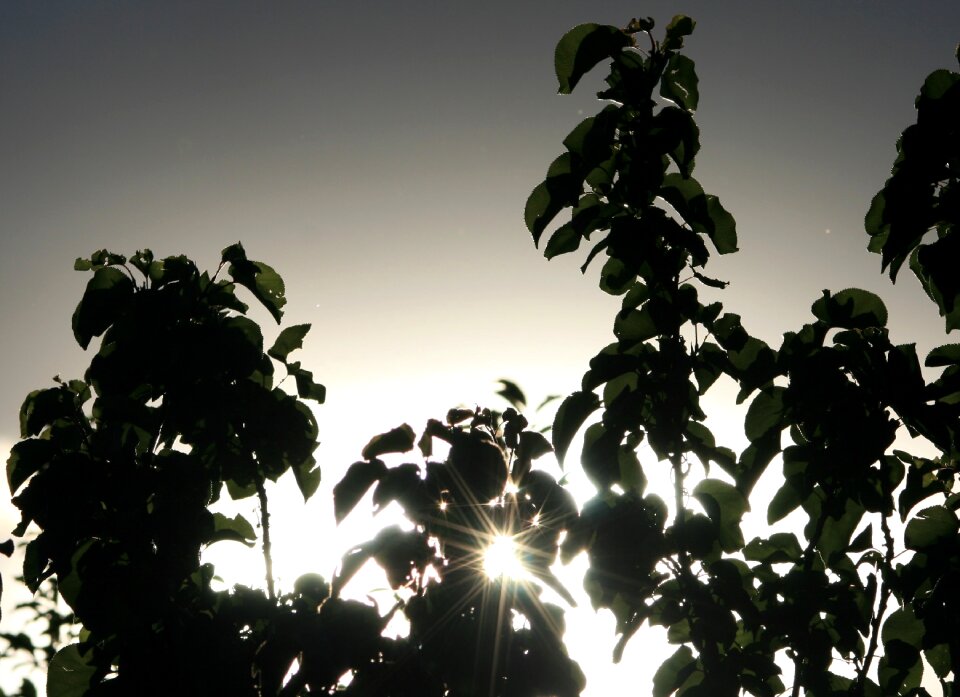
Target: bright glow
[(501, 558)]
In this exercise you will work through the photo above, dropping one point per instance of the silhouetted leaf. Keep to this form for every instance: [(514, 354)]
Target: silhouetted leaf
[(679, 83), (359, 478), (308, 476), (852, 308), (765, 414), (571, 415), (290, 339), (679, 27), (71, 673), (259, 278), (780, 547), (561, 188), (306, 387), (784, 502), (26, 458), (512, 393), (948, 354), (396, 440), (42, 407), (105, 298), (236, 529), (582, 48), (725, 506), (673, 672), (930, 527)]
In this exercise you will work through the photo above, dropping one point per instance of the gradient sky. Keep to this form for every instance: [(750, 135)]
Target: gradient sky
[(379, 155)]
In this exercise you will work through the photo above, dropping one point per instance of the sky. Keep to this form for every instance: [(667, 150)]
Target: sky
[(379, 155)]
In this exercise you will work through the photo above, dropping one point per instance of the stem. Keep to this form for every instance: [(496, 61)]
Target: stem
[(265, 524), (807, 564), (881, 607)]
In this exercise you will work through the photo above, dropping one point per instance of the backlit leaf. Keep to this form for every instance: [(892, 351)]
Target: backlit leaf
[(71, 673), (573, 412), (396, 440), (582, 48), (359, 478), (289, 340)]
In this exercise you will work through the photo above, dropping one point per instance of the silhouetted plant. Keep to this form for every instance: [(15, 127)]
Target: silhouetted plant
[(118, 470), (840, 389)]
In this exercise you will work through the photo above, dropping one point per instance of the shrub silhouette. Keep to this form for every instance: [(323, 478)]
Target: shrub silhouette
[(118, 470)]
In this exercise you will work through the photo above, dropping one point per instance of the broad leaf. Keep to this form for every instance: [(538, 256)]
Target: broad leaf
[(236, 529), (104, 300), (679, 83), (290, 339), (359, 478), (725, 506), (930, 527), (571, 415), (71, 673), (396, 440), (673, 672), (852, 308), (582, 48)]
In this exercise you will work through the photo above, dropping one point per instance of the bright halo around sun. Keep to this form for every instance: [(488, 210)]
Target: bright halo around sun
[(502, 559)]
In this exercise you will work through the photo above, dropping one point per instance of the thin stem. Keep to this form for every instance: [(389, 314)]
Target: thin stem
[(265, 524), (881, 607), (807, 565)]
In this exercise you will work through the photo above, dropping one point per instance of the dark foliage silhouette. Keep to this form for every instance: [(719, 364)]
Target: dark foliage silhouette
[(117, 471)]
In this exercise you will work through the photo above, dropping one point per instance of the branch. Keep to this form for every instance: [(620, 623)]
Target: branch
[(265, 524)]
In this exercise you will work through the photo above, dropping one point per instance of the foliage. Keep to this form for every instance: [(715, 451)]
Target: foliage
[(184, 404), (118, 470), (838, 387)]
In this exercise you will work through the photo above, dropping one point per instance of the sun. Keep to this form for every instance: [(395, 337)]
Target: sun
[(501, 559)]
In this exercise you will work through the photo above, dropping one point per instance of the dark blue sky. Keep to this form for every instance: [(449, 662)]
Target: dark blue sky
[(378, 154)]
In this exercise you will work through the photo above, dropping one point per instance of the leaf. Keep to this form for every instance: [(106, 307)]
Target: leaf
[(259, 278), (289, 340), (943, 356), (70, 673), (533, 445), (512, 393), (783, 503), (679, 83), (26, 458), (581, 48), (103, 301), (359, 478), (236, 529), (306, 387), (571, 415), (396, 440), (561, 188), (725, 506), (780, 547), (673, 672), (42, 407), (852, 308), (930, 527), (903, 624), (679, 27), (308, 476), (765, 414), (863, 541)]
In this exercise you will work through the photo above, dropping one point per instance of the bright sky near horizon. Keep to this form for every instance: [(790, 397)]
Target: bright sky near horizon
[(379, 155)]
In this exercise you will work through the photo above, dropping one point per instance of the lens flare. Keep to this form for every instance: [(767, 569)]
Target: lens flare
[(501, 559)]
